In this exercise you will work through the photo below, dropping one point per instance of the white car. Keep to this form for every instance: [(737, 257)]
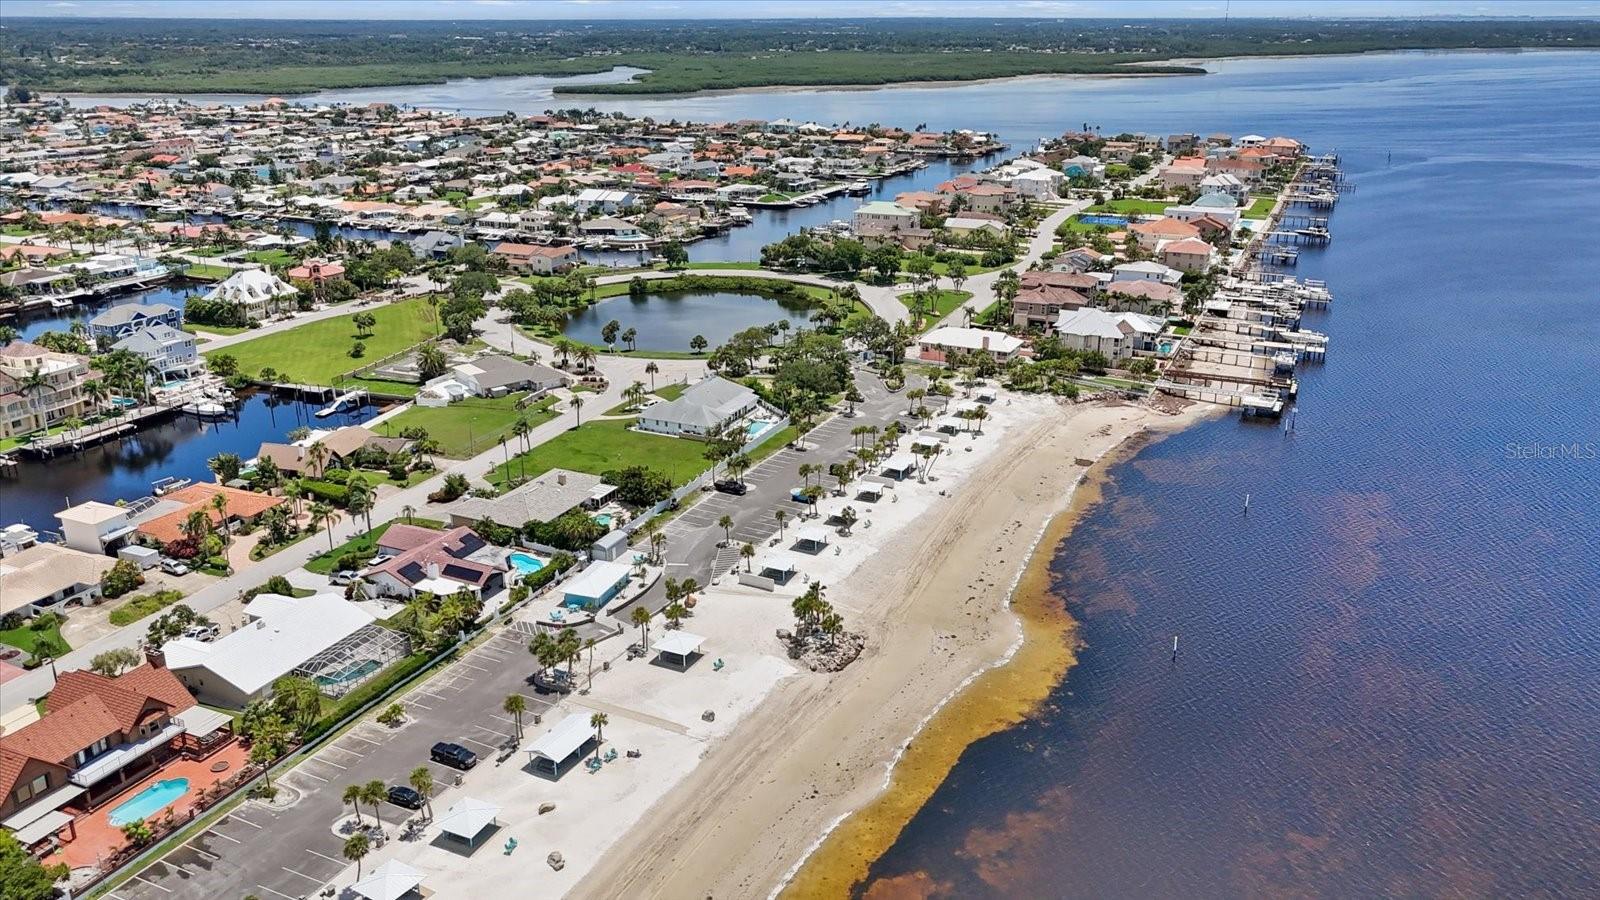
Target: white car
[(174, 567), (343, 578)]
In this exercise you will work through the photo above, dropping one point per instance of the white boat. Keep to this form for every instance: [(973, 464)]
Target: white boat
[(858, 187), (206, 409), (60, 303)]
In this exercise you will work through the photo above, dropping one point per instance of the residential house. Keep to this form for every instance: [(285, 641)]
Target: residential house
[(1225, 183), (706, 409), (611, 229), (441, 563), (1185, 171), (937, 345), (882, 219), (260, 292), (316, 271), (39, 388), (965, 225), (537, 259), (1188, 255), (1080, 259), (1038, 184), (47, 577), (435, 244), (169, 352), (240, 507), (1115, 335), (1143, 296), (604, 201), (544, 499), (122, 321), (1145, 271), (96, 527), (1151, 234)]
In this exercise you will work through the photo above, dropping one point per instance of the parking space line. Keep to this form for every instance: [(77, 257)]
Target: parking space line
[(238, 818), (415, 703), (151, 883), (325, 856), (301, 874), (363, 740), (191, 846), (329, 762), (467, 665), (480, 743), (215, 833), (310, 775), (342, 749), (275, 893)]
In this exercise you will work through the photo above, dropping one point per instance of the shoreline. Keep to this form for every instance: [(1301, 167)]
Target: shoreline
[(793, 779)]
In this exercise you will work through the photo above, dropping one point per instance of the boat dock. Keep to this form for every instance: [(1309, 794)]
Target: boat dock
[(350, 398)]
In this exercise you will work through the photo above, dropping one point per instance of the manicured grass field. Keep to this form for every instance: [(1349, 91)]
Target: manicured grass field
[(1131, 206), (276, 257), (469, 427), (598, 446), (366, 544), (205, 272), (665, 392), (944, 302), (318, 352), (27, 639), (1259, 207)]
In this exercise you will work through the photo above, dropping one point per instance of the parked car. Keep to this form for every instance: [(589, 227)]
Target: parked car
[(410, 798), (731, 486), (173, 566), (379, 560), (344, 577), (453, 755), (202, 632)]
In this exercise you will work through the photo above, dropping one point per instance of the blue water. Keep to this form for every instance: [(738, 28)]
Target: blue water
[(755, 427), (149, 801), (525, 564), (1104, 219), (670, 321), (33, 324)]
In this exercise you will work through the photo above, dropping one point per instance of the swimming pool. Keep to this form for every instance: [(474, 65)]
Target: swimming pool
[(525, 563), (149, 801), (603, 519), (755, 427), (125, 402), (1100, 219)]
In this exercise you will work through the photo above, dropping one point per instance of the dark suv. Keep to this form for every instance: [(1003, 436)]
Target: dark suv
[(454, 755), (730, 486), (410, 798)]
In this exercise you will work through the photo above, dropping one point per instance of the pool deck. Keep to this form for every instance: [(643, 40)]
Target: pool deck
[(97, 837)]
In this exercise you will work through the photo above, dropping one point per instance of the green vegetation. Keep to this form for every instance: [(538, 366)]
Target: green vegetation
[(143, 605), (207, 272), (213, 329), (273, 258), (294, 56), (468, 427), (665, 392), (40, 636), (599, 446), (364, 546), (944, 302), (316, 353), (1131, 206), (1259, 207)]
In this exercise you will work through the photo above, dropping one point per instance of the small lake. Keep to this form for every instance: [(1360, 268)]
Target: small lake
[(667, 321)]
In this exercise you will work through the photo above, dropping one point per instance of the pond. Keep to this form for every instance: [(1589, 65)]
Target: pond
[(668, 321)]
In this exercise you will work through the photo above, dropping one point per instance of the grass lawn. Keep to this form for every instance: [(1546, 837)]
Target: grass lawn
[(1182, 330), (365, 544), (1259, 207), (208, 251), (378, 479), (135, 608), (318, 352), (205, 272), (1131, 206), (469, 427), (392, 388), (19, 230), (665, 392), (747, 266), (27, 640), (274, 257), (944, 301), (600, 445)]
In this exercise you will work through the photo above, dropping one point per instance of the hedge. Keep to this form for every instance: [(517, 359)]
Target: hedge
[(365, 694), (337, 494)]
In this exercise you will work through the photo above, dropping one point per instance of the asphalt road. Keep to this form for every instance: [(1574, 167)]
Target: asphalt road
[(291, 853)]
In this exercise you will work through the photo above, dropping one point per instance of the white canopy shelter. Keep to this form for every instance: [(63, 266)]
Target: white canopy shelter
[(811, 538), (679, 645), (869, 491), (557, 745), (900, 465), (467, 818), (390, 881)]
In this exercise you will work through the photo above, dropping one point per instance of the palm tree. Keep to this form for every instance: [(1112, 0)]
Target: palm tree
[(589, 646), (629, 336), (726, 524), (96, 391), (641, 618), (515, 706), (421, 781), (650, 368), (585, 356), (361, 500), (598, 721), (408, 511), (318, 455), (219, 502), (782, 517), (748, 551), (374, 793), (196, 525), (322, 512), (577, 407), (353, 796), (356, 848)]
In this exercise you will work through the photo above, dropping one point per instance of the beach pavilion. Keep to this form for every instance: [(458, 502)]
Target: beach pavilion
[(870, 492), (678, 648), (393, 880), (812, 539), (467, 818), (560, 744), (900, 466)]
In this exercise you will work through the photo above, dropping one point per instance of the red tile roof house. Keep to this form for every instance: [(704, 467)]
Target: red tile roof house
[(436, 562), (97, 736), (315, 270), (537, 259), (242, 506)]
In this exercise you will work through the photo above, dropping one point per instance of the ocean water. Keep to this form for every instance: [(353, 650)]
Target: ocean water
[(1388, 676)]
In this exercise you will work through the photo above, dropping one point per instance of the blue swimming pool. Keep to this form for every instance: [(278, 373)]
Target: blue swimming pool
[(525, 563), (149, 801), (1102, 219), (755, 427), (603, 519)]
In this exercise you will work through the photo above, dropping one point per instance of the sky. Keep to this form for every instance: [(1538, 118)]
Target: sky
[(744, 9)]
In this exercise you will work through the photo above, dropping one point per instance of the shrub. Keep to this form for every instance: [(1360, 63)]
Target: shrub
[(182, 548), (143, 605), (336, 494), (123, 577)]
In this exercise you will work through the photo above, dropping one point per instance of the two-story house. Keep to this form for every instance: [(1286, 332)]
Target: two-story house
[(39, 388), (171, 353), (260, 292), (122, 321), (882, 219)]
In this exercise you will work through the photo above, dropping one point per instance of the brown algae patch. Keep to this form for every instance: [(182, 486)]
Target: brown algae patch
[(997, 699)]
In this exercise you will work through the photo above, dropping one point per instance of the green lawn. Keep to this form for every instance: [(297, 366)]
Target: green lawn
[(208, 252), (1259, 207), (468, 427), (27, 639), (205, 272), (19, 230), (601, 445), (318, 352), (747, 266), (275, 257), (1131, 206), (665, 392), (365, 544), (944, 301)]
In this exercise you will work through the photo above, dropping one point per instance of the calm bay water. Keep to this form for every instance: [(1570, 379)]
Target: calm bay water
[(670, 321), (1387, 683)]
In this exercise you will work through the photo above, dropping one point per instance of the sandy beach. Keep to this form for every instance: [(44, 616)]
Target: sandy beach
[(933, 599)]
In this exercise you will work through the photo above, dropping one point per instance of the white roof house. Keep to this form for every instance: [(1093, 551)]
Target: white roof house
[(282, 633), (936, 343), (706, 408), (390, 881), (597, 584), (255, 289)]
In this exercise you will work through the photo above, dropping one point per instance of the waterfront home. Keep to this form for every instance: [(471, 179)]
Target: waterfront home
[(122, 321), (1188, 255), (1038, 184), (441, 563), (1083, 167), (315, 271), (435, 244), (260, 292), (611, 229), (342, 444), (490, 375), (47, 577), (536, 259), (1115, 335), (983, 197), (39, 388), (882, 219), (96, 527), (169, 352), (96, 736), (1145, 270), (937, 345), (604, 201), (1044, 294), (707, 408), (1227, 184), (1151, 234), (324, 637), (1140, 295), (544, 499), (35, 282), (173, 509)]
